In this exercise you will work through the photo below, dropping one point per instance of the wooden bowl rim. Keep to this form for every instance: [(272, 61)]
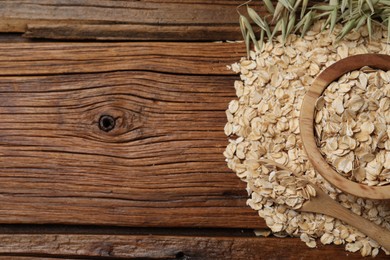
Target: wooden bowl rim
[(306, 123)]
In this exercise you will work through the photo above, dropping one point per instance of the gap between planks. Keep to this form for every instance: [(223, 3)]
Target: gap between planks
[(165, 247)]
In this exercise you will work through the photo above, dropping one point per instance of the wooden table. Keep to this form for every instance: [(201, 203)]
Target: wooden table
[(111, 134)]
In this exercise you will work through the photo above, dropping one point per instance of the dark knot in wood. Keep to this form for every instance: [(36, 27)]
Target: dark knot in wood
[(106, 123)]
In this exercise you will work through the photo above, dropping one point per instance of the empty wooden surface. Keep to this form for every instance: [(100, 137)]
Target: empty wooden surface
[(47, 58), (162, 164), (135, 20), (163, 247)]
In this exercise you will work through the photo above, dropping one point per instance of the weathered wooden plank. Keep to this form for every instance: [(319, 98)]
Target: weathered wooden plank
[(112, 11), (144, 32), (180, 20), (123, 230), (147, 19), (14, 257), (45, 58), (167, 247), (162, 164)]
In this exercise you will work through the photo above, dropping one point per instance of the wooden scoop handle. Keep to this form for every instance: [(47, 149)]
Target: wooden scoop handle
[(323, 204)]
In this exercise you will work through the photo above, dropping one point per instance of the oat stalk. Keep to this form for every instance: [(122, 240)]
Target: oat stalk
[(292, 16)]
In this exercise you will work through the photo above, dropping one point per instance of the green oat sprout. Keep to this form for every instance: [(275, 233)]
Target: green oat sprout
[(296, 16)]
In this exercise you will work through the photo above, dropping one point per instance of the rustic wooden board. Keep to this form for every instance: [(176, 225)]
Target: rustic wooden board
[(47, 58), (176, 20), (119, 20), (162, 165), (133, 32), (166, 247), (34, 257)]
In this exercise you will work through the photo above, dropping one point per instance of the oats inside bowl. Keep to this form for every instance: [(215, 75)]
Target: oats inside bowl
[(352, 126)]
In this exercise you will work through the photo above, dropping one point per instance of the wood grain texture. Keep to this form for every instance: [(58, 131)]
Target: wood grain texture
[(47, 58), (133, 32), (14, 257), (178, 20), (166, 247), (162, 164), (306, 123), (147, 19)]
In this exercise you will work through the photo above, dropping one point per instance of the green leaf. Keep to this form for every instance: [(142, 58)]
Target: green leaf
[(242, 27), (260, 22), (299, 24), (292, 2), (350, 8), (305, 23), (276, 28), (286, 4), (303, 8), (370, 4), (302, 21), (384, 2), (360, 22), (333, 19), (278, 12), (369, 27), (360, 5), (308, 23), (320, 15), (346, 29), (346, 13), (326, 23), (270, 6), (323, 7), (388, 30), (255, 17), (296, 5), (284, 29), (245, 34), (247, 45), (344, 4), (261, 40), (250, 31), (290, 24)]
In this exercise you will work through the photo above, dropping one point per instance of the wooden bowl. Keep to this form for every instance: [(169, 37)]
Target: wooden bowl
[(306, 123)]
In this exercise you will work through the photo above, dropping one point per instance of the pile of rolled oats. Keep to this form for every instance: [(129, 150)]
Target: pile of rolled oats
[(353, 126), (263, 128), (281, 186)]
